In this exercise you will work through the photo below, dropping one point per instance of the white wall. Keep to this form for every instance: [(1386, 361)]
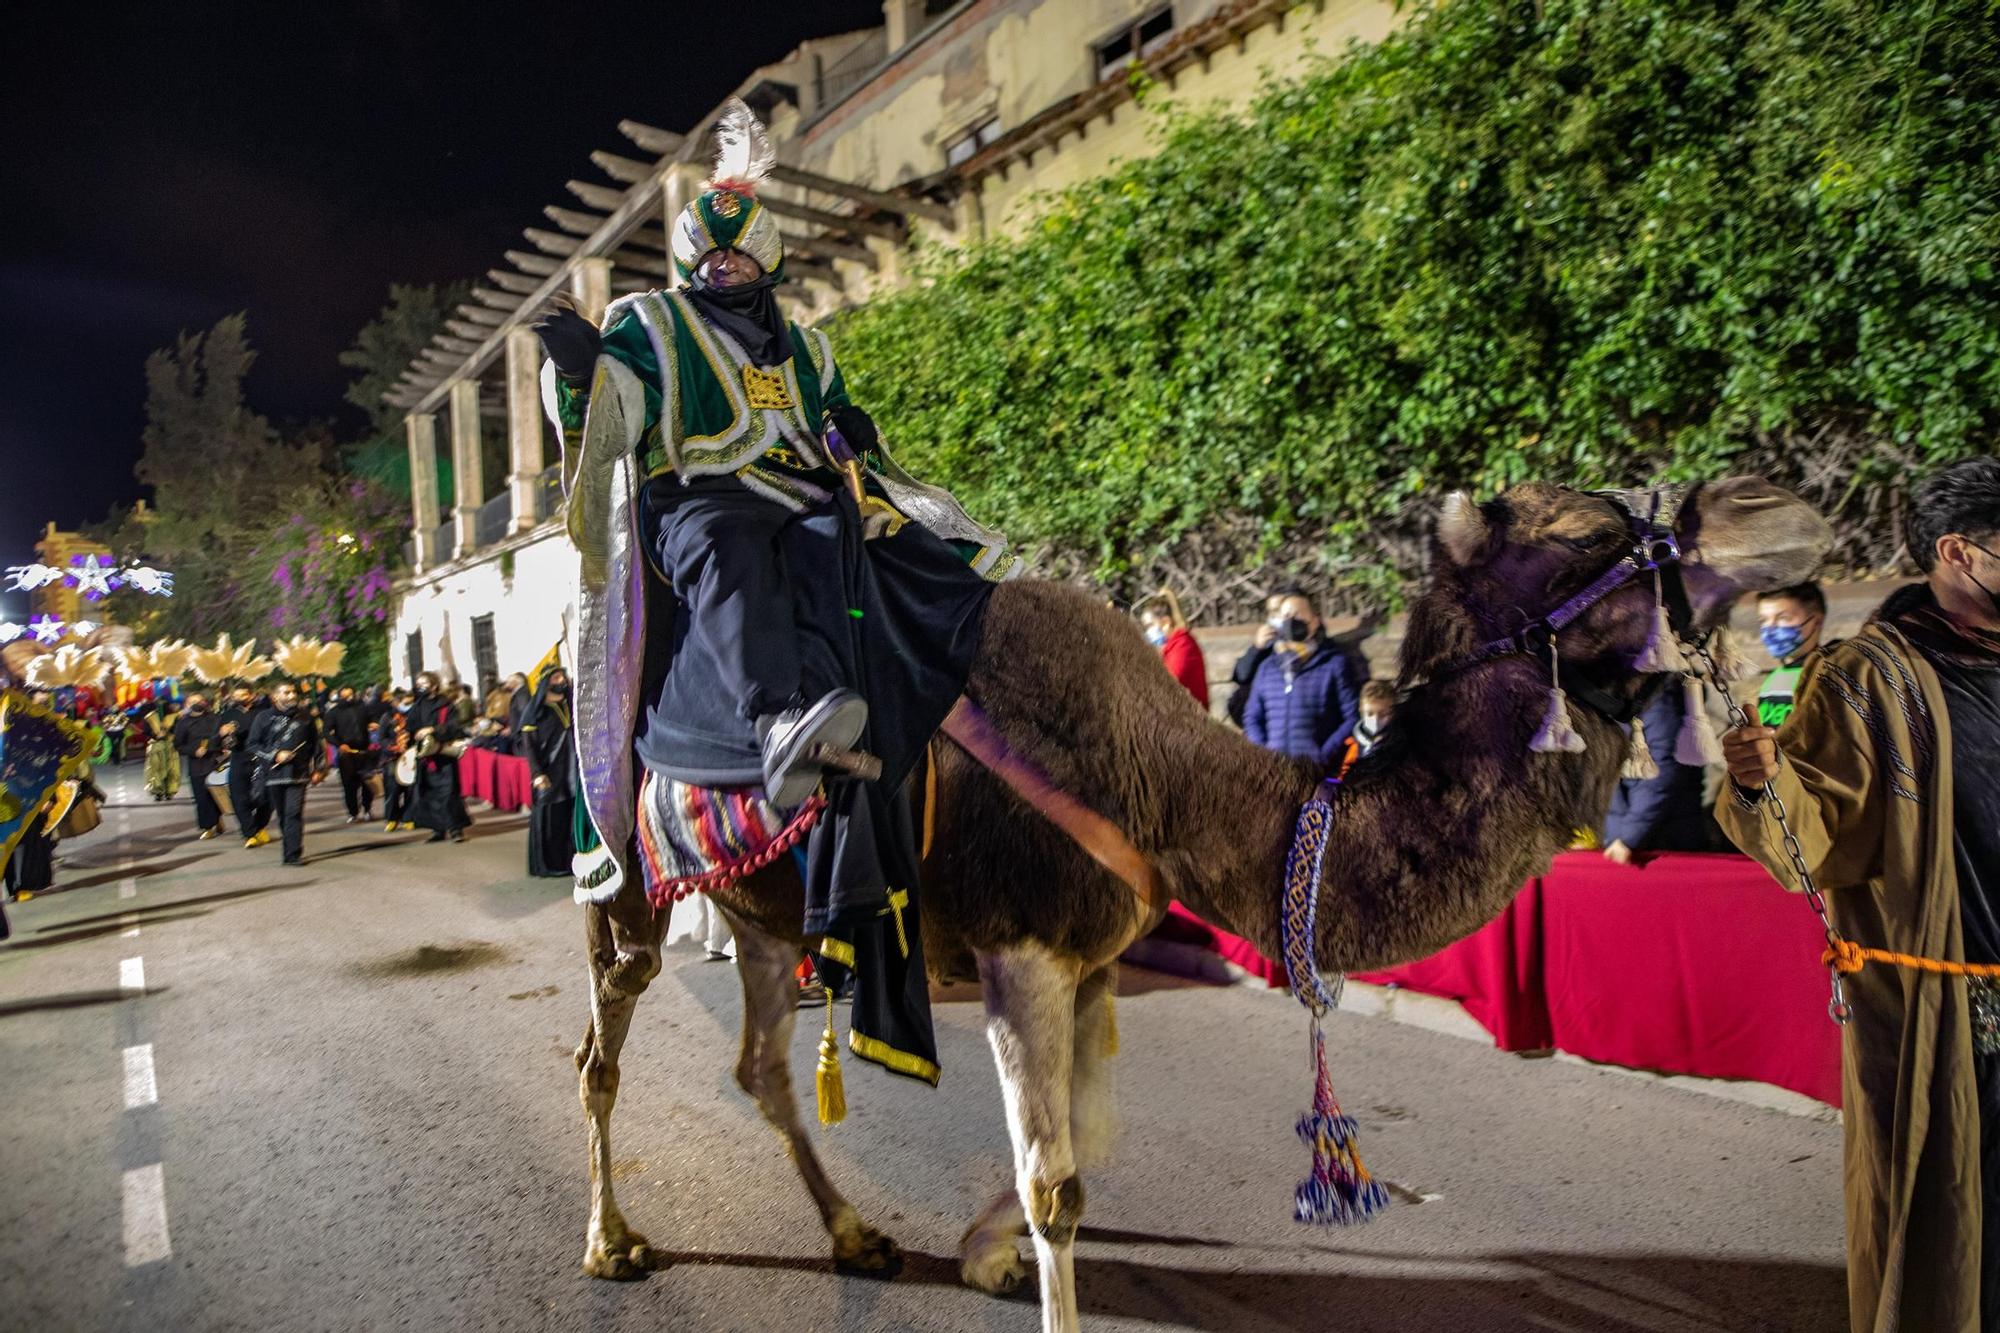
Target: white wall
[(527, 608)]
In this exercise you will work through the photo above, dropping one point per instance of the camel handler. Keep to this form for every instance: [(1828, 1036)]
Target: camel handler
[(810, 615), (1889, 771)]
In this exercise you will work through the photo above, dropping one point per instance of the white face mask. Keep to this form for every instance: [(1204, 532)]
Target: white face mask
[(1156, 635)]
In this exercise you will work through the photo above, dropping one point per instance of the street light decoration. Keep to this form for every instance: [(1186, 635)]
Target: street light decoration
[(92, 577), (154, 582), (27, 578)]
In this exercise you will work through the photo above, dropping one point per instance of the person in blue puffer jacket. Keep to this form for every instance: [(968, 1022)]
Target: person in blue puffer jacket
[(1306, 696)]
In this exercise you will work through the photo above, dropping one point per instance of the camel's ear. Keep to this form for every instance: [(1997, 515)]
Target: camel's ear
[(1462, 529)]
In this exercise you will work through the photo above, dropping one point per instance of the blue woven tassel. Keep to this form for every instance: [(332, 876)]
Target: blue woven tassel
[(1339, 1192)]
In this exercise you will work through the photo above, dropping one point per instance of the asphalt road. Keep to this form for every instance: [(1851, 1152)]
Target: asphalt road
[(341, 1097)]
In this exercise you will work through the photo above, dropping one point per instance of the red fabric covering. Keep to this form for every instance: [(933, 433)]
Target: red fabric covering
[(1184, 927), (501, 780), (1186, 664), (1689, 964), (1495, 972), (1686, 964)]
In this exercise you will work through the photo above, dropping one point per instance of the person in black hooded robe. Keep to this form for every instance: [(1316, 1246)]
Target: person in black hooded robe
[(547, 742), (440, 803)]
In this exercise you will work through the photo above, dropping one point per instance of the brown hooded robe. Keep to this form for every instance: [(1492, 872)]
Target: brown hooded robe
[(1866, 780)]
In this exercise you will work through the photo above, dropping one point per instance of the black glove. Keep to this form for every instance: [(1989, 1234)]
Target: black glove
[(571, 341), (857, 428)]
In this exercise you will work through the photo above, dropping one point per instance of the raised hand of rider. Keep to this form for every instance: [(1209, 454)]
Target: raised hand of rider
[(857, 428), (570, 340)]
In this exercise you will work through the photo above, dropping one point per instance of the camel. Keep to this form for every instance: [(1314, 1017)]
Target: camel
[(1432, 835)]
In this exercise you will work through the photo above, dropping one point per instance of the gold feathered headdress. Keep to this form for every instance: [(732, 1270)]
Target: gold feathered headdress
[(301, 658), (163, 659), (68, 665), (226, 661)]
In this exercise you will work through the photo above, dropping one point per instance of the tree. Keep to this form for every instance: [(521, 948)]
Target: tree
[(381, 352), (1594, 241)]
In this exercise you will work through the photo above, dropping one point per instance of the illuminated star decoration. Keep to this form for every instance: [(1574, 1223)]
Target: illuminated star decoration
[(92, 579), (9, 631), (27, 578), (46, 628), (157, 582)]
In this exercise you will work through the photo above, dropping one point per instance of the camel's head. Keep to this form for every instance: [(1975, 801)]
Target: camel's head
[(1510, 563)]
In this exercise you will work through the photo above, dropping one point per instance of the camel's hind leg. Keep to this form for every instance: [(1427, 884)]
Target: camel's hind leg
[(1031, 997), (764, 1070), (624, 958), (989, 1255)]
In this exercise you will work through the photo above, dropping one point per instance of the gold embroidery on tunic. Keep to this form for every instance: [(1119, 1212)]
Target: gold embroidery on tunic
[(765, 388)]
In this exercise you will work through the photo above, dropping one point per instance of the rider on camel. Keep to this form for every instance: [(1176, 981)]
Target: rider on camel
[(810, 612)]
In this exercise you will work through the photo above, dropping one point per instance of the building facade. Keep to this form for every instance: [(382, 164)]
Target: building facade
[(947, 121)]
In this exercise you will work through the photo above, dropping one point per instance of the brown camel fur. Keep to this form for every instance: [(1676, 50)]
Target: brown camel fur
[(1433, 834)]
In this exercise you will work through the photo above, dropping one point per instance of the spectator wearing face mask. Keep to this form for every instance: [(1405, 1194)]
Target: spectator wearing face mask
[(1378, 705), (1790, 622), (1306, 696), (1253, 657), (1167, 631)]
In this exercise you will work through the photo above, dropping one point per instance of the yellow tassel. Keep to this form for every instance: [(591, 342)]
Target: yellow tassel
[(1110, 1025), (827, 1080)]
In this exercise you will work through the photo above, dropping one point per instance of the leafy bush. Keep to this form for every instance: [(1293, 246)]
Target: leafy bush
[(1591, 241)]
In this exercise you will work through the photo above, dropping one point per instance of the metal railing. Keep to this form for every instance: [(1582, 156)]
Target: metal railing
[(490, 523), (852, 69), (548, 493)]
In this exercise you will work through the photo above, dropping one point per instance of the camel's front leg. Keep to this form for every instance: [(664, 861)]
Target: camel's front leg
[(624, 958), (764, 1070), (1031, 997), (989, 1257)]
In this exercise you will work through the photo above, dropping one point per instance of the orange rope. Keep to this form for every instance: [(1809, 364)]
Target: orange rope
[(1847, 956)]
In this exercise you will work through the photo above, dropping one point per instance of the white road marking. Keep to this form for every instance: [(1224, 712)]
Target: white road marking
[(128, 888), (132, 976), (146, 1216), (140, 1087)]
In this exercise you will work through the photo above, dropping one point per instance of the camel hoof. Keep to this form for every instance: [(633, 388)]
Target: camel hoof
[(863, 1251), (997, 1271), (620, 1261)]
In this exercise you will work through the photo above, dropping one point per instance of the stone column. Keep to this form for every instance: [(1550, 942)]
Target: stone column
[(524, 424), (679, 182), (468, 487), (420, 430), (590, 284)]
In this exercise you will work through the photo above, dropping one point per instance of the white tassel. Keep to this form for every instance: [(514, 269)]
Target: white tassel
[(1558, 735), (1697, 745), (1639, 757), (1662, 652)]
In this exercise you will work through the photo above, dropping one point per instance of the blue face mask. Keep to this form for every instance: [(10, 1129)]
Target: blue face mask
[(1781, 641), (1156, 636)]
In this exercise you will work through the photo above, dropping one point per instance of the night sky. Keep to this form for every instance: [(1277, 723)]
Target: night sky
[(165, 165)]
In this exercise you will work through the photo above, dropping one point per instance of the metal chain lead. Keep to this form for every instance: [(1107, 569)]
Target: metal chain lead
[(1837, 1008)]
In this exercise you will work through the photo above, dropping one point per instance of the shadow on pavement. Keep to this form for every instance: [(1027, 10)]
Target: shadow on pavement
[(72, 935), (138, 871), (76, 999), (1624, 1293), (146, 912)]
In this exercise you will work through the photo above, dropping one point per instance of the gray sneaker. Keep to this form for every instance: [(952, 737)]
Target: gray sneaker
[(793, 741)]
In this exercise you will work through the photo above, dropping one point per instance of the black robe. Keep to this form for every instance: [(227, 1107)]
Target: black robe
[(546, 741), (440, 804)]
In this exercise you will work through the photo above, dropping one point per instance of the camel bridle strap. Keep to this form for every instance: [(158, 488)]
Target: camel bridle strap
[(1651, 516)]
